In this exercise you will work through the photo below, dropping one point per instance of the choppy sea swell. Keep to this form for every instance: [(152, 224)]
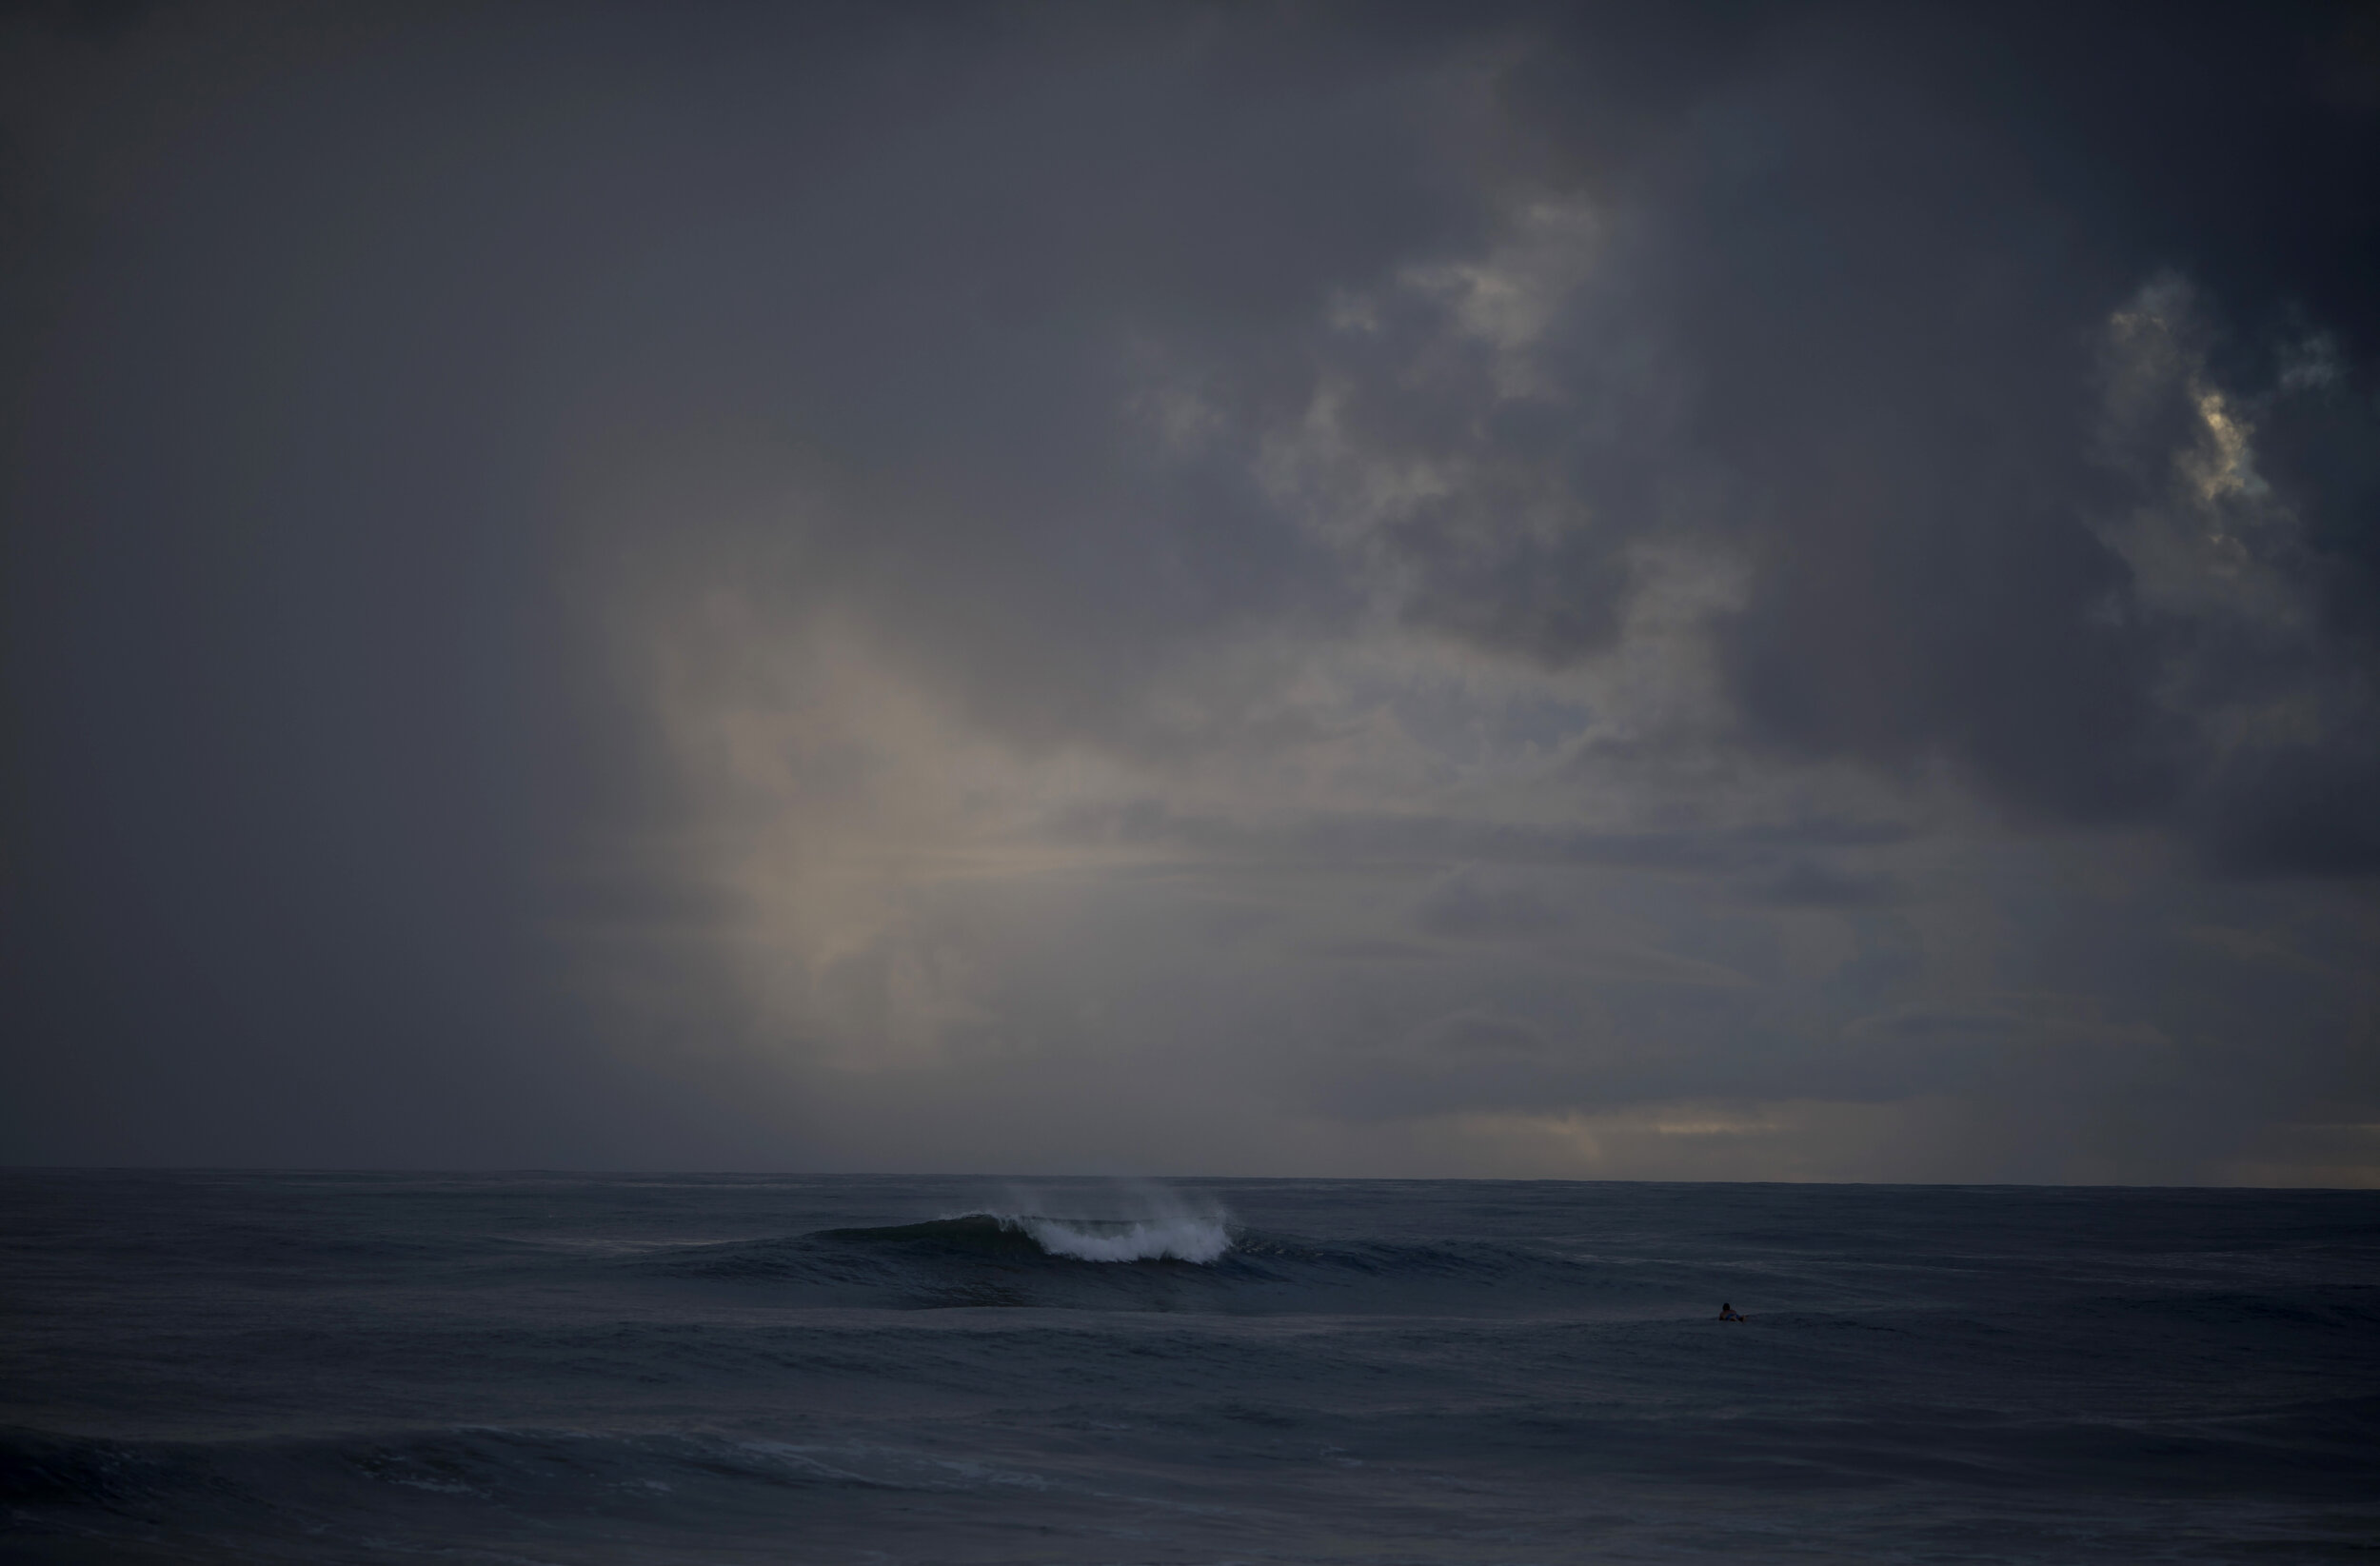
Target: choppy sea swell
[(1176, 1262), (553, 1370)]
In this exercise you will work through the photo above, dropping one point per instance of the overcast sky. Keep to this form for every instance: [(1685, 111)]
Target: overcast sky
[(1631, 592)]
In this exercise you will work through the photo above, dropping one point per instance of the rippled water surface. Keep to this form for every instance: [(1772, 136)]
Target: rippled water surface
[(245, 1367)]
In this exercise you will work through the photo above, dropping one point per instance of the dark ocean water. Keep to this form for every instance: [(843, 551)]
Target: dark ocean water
[(244, 1367)]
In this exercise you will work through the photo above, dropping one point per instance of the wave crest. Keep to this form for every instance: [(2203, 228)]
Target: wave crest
[(1200, 1237), (1175, 1238)]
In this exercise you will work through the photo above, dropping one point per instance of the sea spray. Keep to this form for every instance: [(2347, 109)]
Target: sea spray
[(1182, 1238), (1130, 1220)]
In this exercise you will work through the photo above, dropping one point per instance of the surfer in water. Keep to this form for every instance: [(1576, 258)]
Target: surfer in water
[(1728, 1313)]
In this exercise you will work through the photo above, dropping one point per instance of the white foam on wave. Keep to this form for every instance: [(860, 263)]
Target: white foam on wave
[(1184, 1236), (1122, 1221)]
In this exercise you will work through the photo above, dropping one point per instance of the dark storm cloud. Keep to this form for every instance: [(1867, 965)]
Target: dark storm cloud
[(938, 338), (1886, 256), (1850, 309), (1086, 375), (313, 319)]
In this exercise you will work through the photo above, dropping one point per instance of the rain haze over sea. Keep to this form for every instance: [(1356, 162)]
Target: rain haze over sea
[(1247, 736)]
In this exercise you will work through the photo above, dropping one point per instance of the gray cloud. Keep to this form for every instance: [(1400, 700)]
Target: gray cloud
[(1808, 883), (1342, 838), (1468, 905)]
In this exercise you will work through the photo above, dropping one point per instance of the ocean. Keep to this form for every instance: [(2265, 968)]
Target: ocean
[(236, 1366)]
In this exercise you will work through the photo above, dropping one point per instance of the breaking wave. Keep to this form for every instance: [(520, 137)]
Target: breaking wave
[(1175, 1236), (1181, 1237)]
